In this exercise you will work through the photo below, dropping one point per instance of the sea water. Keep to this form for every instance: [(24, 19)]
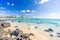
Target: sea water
[(35, 20)]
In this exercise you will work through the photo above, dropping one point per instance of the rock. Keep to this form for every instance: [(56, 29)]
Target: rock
[(51, 35), (58, 36), (24, 36), (49, 30), (31, 34), (58, 33), (36, 27), (46, 30), (17, 39), (15, 33), (5, 24)]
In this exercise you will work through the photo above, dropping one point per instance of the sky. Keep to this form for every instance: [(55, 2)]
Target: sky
[(31, 8)]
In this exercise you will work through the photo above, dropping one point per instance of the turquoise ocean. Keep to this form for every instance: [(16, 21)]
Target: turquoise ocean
[(35, 20)]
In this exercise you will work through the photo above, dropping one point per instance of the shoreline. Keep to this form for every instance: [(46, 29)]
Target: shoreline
[(36, 29)]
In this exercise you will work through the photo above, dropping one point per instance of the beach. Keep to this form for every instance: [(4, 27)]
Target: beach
[(38, 29)]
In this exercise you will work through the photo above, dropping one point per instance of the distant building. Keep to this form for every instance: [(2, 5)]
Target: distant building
[(11, 16)]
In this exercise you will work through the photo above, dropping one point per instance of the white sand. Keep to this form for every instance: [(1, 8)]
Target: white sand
[(39, 34)]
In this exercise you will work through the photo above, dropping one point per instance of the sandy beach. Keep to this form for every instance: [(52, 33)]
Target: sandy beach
[(39, 33), (29, 19)]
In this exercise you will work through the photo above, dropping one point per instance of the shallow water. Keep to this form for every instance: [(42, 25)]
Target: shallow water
[(55, 22), (36, 20)]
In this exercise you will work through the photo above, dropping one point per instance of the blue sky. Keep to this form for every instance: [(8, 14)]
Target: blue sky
[(31, 8), (18, 4)]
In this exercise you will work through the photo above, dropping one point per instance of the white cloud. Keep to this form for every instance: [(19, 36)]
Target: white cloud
[(41, 2), (8, 3), (12, 4), (23, 11), (27, 10)]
